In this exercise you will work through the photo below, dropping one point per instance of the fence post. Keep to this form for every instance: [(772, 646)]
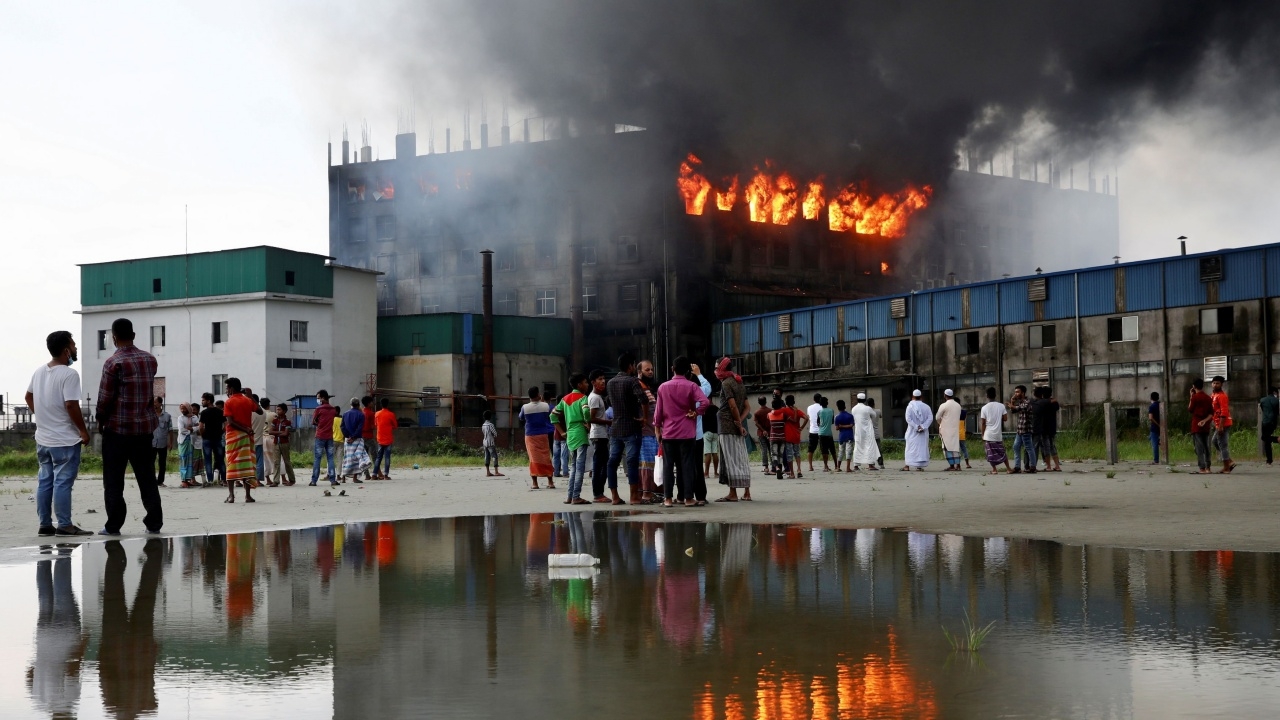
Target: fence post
[(1113, 451), (1164, 431)]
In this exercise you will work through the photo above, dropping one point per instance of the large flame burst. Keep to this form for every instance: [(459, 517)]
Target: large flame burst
[(774, 196)]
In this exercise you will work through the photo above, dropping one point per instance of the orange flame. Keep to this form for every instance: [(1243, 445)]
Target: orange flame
[(726, 199), (694, 188), (813, 200), (777, 198)]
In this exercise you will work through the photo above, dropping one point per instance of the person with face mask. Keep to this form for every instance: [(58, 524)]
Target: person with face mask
[(54, 398)]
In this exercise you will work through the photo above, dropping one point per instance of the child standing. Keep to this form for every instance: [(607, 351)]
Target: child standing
[(844, 428), (490, 445)]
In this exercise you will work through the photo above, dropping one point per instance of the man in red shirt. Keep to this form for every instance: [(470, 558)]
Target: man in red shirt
[(369, 435), (799, 419), (1201, 409), (385, 422), (1222, 423), (322, 420)]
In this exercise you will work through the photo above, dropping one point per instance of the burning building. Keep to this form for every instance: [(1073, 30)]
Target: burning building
[(644, 246)]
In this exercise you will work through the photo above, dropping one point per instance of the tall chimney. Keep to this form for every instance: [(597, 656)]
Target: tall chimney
[(575, 285), (329, 162), (486, 258)]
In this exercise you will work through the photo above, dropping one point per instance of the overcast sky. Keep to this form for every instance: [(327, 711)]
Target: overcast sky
[(117, 115)]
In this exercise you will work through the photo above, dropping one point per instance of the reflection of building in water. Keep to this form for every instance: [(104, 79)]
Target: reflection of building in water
[(430, 617)]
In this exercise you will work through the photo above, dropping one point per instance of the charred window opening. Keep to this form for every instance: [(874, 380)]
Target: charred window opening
[(628, 249), (430, 304), (781, 253), (356, 231), (967, 343), (589, 299), (386, 227), (588, 254), (1217, 321), (629, 296)]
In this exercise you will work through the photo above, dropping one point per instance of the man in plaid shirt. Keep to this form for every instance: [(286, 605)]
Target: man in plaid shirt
[(1023, 442), (127, 420)]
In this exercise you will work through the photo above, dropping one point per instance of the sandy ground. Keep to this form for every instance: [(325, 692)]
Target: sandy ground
[(1141, 506)]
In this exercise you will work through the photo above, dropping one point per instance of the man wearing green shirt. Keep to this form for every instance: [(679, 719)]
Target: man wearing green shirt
[(1270, 414), (826, 420), (571, 416)]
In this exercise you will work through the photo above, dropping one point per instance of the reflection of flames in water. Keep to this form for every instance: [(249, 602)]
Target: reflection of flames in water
[(775, 197), (876, 686)]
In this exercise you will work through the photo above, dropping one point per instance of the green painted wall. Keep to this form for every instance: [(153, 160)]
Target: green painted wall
[(443, 333), (227, 272)]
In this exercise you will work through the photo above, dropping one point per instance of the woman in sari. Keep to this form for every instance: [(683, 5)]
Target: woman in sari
[(241, 465), (186, 445)]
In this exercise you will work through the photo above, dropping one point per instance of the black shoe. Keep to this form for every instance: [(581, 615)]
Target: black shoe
[(46, 531), (72, 530), (153, 532), (105, 531)]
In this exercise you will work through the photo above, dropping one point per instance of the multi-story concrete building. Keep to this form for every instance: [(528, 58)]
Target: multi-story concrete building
[(286, 323), (1111, 333), (595, 224)]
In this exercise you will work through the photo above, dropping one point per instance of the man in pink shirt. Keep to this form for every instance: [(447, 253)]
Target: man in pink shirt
[(675, 417)]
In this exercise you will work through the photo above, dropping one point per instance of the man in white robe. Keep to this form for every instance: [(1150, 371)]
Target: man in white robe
[(865, 449), (949, 430), (919, 418)]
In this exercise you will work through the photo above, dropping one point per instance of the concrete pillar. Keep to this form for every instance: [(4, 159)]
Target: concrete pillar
[(1113, 448)]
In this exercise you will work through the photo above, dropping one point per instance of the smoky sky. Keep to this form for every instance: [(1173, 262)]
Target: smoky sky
[(888, 90)]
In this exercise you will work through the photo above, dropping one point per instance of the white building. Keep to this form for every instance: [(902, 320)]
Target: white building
[(286, 323)]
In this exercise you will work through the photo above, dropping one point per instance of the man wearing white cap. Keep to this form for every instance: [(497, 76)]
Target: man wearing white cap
[(949, 430), (919, 418), (865, 450)]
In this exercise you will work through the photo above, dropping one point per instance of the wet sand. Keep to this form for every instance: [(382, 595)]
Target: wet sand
[(1142, 507)]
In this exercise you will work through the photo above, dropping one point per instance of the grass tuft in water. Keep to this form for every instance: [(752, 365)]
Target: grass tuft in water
[(970, 637)]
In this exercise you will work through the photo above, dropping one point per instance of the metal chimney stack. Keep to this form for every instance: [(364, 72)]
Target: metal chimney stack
[(486, 258)]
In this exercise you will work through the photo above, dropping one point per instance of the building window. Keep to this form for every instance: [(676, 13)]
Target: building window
[(289, 278), (628, 250), (1061, 374), (219, 332), (1124, 370), (219, 384), (781, 253), (629, 296), (1097, 372), (1042, 336), (1122, 329), (298, 331), (466, 262), (107, 290), (589, 299), (467, 303), (759, 254), (549, 391), (386, 225), (545, 303), (1189, 366), (842, 356), (428, 264), (588, 254), (284, 363), (386, 298), (785, 362), (899, 350), (1021, 377), (507, 303), (157, 336), (545, 255), (155, 285), (506, 261), (430, 304), (356, 230), (297, 364), (1217, 321), (724, 250), (967, 343), (1246, 362), (1150, 369), (102, 339)]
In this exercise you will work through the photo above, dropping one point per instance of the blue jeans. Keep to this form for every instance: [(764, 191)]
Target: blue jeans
[(384, 456), (1024, 443), (1155, 446), (323, 449), (631, 444), (58, 469), (215, 457), (577, 462), (560, 457), (257, 458)]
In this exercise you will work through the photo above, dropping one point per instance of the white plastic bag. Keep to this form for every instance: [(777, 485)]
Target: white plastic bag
[(658, 462)]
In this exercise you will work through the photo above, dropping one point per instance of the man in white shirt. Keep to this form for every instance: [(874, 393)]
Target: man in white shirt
[(812, 412), (991, 420), (54, 398)]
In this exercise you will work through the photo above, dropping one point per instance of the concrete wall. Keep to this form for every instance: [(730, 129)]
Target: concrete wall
[(514, 374)]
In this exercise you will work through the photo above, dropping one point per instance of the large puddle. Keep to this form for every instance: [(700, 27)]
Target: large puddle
[(461, 618)]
